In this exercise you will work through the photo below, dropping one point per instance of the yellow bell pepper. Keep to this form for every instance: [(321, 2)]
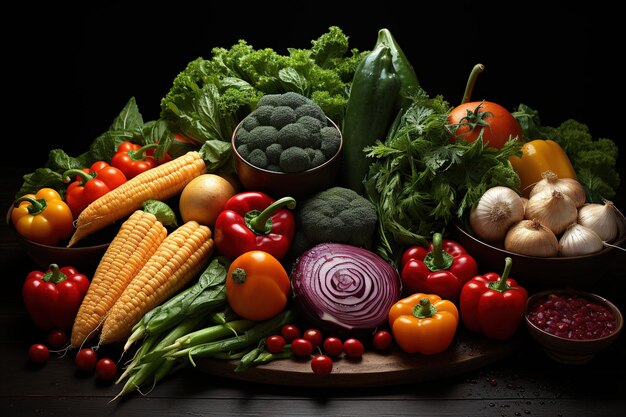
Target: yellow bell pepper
[(539, 156), (423, 323)]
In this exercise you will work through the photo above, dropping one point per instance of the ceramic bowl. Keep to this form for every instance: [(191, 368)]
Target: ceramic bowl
[(538, 273), (85, 256), (280, 184), (566, 350)]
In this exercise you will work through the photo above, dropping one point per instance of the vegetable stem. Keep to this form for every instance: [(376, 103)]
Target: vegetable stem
[(261, 223), (471, 81), (500, 285)]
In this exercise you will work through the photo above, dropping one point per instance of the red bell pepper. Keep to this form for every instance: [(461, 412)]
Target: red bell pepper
[(442, 268), (492, 304), (133, 159), (255, 221), (91, 184), (53, 298)]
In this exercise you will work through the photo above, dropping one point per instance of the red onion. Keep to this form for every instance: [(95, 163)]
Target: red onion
[(344, 289)]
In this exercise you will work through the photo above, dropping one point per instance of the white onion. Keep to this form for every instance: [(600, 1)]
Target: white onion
[(344, 289), (531, 238), (553, 209), (568, 186), (601, 218), (498, 208), (579, 240)]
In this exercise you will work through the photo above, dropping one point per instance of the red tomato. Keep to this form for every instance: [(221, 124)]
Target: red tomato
[(472, 117), (321, 365), (86, 359), (333, 346), (353, 348), (275, 343), (314, 336), (57, 339), (106, 369), (302, 348), (382, 340), (38, 353), (290, 332)]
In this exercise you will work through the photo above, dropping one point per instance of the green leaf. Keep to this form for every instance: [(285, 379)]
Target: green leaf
[(129, 118), (41, 177), (217, 155), (293, 81), (158, 132), (105, 146), (58, 161), (161, 211)]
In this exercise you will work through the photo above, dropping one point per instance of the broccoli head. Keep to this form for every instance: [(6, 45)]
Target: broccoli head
[(291, 131), (337, 215)]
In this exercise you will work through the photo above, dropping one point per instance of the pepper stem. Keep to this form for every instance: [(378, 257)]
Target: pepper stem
[(239, 275), (84, 177), (54, 275), (471, 81), (138, 154), (37, 205), (424, 309), (438, 259), (500, 285), (261, 223)]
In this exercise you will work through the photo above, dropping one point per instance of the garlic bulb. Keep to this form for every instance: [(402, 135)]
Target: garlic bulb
[(601, 218), (568, 186), (553, 209), (531, 238), (498, 208), (579, 240)]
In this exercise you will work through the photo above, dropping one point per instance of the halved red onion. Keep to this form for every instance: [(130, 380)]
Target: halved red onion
[(344, 289)]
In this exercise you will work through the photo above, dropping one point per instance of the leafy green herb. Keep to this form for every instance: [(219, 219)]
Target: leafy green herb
[(421, 183), (594, 160)]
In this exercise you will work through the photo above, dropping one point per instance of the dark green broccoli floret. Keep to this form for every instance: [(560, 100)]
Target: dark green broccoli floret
[(316, 157), (294, 159), (273, 167), (282, 116), (337, 215), (273, 153), (312, 110), (244, 151), (261, 137), (272, 100), (311, 123), (294, 100), (249, 123), (331, 140), (293, 134), (258, 158), (242, 137), (264, 115)]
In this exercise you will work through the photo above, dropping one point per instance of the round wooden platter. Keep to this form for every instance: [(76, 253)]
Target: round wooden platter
[(468, 352)]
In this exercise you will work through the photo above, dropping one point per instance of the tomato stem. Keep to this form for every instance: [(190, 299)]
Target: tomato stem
[(471, 81)]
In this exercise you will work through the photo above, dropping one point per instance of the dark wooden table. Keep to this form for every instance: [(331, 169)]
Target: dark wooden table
[(526, 383)]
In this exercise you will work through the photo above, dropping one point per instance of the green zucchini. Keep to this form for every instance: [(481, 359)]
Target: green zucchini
[(408, 79), (372, 107)]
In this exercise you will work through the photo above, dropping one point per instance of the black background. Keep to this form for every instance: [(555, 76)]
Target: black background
[(562, 63)]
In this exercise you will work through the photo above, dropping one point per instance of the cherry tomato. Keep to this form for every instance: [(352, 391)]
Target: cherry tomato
[(382, 340), (38, 353), (333, 346), (275, 343), (301, 347), (106, 369), (314, 336), (86, 359), (57, 339), (353, 348), (496, 123), (290, 332), (321, 365)]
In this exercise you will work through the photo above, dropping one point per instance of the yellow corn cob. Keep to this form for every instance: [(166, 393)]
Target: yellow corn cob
[(158, 183), (137, 240), (177, 260)]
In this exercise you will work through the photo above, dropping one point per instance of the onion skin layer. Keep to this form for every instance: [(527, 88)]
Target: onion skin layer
[(343, 289)]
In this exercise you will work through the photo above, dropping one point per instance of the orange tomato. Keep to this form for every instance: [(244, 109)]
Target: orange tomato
[(495, 122), (257, 286)]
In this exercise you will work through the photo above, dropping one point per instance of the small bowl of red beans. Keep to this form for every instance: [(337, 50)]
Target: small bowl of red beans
[(572, 325)]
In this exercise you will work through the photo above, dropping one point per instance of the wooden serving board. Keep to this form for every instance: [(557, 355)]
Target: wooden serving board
[(468, 352)]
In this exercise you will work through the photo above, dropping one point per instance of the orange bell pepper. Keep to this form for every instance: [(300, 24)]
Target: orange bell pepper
[(539, 156), (423, 323), (257, 285)]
